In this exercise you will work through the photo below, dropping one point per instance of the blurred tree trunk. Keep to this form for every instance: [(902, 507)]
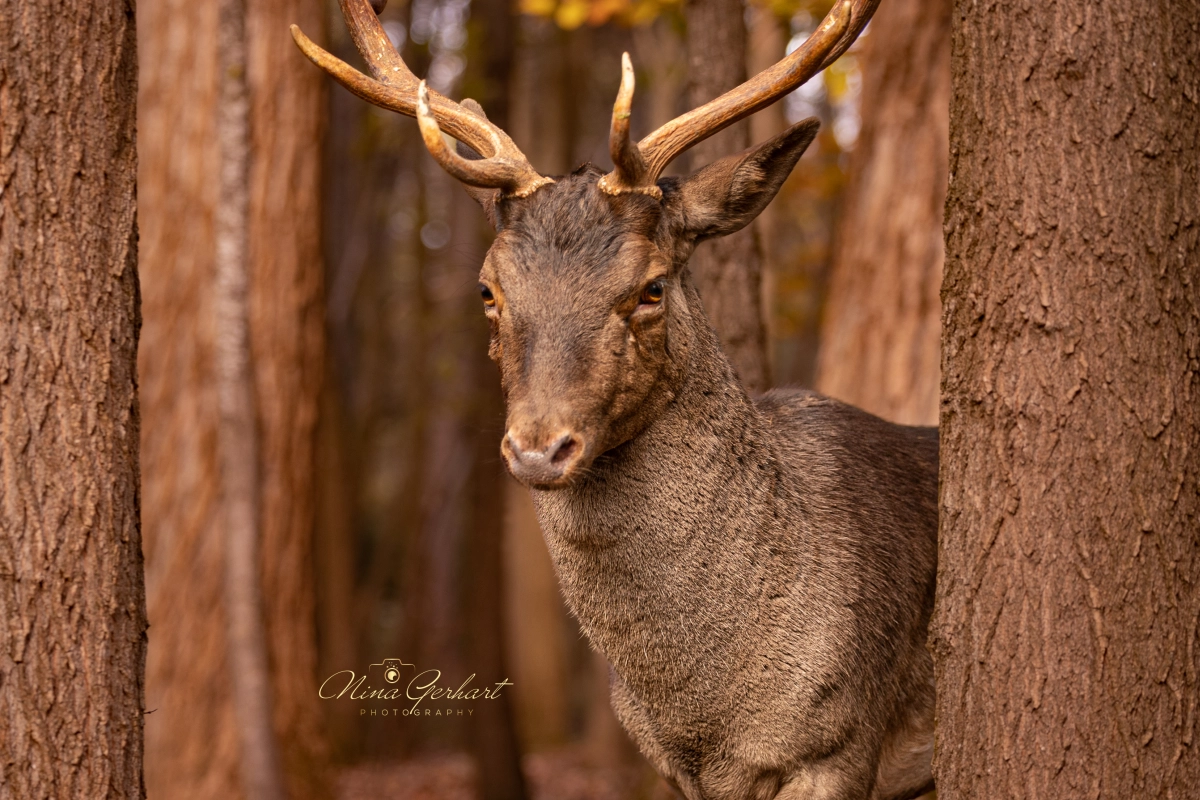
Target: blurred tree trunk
[(661, 65), (1065, 636), (768, 38), (237, 429), (880, 335), (378, 410), (71, 584), (494, 736), (536, 619), (192, 741), (727, 271), (494, 732), (335, 549)]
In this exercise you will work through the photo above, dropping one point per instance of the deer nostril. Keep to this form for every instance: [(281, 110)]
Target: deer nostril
[(563, 449), (542, 465)]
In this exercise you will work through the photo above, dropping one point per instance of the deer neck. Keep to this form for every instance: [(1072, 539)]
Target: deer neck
[(658, 549)]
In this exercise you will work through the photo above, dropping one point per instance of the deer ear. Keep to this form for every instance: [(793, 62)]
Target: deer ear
[(727, 195), (485, 197)]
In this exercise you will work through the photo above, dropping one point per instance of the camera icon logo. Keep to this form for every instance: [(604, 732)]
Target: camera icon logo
[(391, 669)]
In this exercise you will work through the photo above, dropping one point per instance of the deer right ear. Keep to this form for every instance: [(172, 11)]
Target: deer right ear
[(727, 195)]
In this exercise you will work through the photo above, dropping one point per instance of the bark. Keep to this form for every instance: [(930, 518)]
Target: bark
[(237, 433), (72, 594), (882, 325), (728, 271), (1069, 584), (193, 740)]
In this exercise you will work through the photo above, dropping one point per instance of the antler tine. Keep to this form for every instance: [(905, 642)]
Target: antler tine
[(394, 87), (630, 172), (372, 41), (832, 37), (514, 177)]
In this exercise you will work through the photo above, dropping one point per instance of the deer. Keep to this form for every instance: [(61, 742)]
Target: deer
[(758, 572)]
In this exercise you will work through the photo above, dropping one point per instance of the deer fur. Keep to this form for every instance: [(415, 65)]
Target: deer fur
[(758, 573)]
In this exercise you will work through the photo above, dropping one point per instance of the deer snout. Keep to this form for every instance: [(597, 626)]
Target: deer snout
[(545, 465)]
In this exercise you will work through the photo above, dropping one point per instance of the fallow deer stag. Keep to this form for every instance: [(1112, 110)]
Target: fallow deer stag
[(759, 573)]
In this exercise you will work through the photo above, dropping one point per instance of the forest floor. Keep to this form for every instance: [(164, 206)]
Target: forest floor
[(563, 775)]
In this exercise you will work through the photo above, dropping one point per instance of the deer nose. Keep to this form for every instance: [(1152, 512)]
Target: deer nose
[(546, 465)]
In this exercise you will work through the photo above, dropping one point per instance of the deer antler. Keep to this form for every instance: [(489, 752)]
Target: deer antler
[(394, 87), (631, 173), (639, 165)]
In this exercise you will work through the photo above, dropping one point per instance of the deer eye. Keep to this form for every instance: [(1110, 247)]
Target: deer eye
[(652, 294), (489, 299)]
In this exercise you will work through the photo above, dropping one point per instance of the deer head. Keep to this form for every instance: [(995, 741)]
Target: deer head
[(592, 318)]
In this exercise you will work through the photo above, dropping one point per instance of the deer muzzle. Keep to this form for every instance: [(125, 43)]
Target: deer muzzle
[(544, 464)]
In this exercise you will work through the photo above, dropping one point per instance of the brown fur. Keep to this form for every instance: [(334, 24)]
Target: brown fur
[(759, 574)]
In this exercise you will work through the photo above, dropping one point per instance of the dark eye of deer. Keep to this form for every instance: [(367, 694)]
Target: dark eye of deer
[(652, 294), (489, 299)]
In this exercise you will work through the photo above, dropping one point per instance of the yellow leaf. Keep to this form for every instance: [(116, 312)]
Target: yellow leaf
[(540, 8), (571, 14)]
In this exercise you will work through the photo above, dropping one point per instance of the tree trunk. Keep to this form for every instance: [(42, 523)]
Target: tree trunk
[(882, 324), (494, 736), (536, 618), (1069, 573), (72, 594), (335, 550), (767, 37), (727, 271), (237, 431), (494, 733), (193, 740)]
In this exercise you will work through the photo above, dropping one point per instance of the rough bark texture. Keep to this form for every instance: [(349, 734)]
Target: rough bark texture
[(192, 742), (72, 596), (880, 337), (1069, 583), (727, 271)]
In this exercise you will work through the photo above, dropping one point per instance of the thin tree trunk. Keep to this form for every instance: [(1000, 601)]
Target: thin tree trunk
[(72, 594), (287, 338), (494, 737), (1065, 635), (727, 271), (535, 614), (494, 734), (237, 433), (882, 323), (193, 740), (767, 38), (335, 550)]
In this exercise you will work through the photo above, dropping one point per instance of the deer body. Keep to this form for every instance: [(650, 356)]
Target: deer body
[(759, 575), (752, 573)]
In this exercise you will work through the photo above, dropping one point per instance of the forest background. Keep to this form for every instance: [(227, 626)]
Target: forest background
[(248, 429), (388, 525)]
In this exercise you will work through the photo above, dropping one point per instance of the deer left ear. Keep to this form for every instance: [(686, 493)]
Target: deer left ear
[(727, 195), (482, 195)]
